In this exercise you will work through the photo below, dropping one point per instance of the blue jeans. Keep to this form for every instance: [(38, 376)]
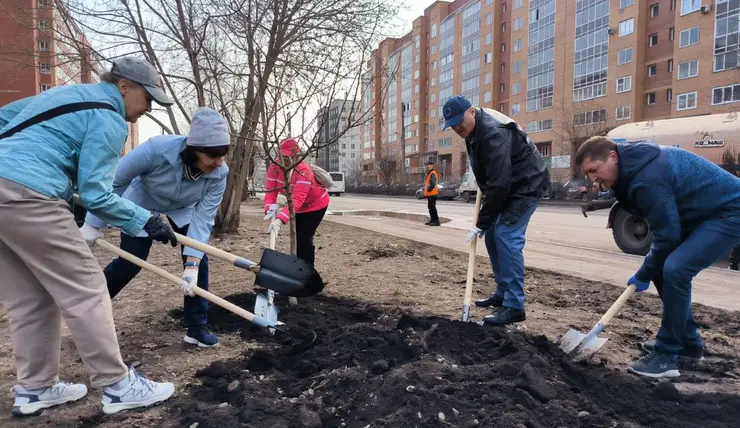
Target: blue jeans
[(704, 246), (120, 272), (505, 245)]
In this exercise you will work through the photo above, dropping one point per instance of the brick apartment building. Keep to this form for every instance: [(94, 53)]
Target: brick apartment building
[(39, 49), (563, 69)]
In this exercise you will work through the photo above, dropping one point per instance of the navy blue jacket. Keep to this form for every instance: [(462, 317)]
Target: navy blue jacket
[(675, 191)]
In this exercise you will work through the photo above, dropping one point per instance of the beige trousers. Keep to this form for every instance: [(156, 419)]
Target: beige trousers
[(47, 272)]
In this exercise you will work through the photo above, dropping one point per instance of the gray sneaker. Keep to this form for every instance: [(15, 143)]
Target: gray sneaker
[(693, 352), (655, 365), (138, 392), (32, 401)]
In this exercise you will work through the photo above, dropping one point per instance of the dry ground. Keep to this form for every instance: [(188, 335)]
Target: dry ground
[(383, 271)]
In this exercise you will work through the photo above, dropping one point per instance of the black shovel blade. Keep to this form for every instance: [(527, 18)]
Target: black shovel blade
[(288, 275)]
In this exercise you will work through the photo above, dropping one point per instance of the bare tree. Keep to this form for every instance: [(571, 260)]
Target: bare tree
[(388, 164), (355, 174), (576, 122)]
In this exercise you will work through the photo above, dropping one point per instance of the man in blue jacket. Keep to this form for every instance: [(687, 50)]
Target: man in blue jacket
[(185, 179), (46, 270), (693, 209)]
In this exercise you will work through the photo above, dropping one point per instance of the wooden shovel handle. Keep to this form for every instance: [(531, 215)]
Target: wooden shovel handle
[(626, 294), (217, 252), (175, 280), (471, 254)]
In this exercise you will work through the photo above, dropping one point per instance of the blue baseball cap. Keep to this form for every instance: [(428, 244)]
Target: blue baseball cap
[(454, 110)]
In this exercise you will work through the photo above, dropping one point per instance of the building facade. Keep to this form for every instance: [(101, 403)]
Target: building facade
[(563, 69), (41, 48), (338, 137)]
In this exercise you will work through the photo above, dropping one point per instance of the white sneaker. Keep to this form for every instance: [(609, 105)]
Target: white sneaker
[(138, 392), (32, 401)]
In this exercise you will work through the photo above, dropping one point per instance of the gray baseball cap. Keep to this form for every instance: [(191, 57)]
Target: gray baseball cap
[(139, 71)]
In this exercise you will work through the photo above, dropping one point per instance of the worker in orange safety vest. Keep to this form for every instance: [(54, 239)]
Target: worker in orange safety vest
[(431, 190)]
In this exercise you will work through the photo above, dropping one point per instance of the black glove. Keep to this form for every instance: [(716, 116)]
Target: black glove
[(158, 229)]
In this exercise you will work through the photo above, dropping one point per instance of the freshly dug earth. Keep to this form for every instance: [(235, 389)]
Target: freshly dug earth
[(370, 367)]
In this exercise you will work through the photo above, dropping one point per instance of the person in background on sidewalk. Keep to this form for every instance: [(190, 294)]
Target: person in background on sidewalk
[(47, 270), (310, 199), (430, 192), (185, 179), (693, 208), (512, 176)]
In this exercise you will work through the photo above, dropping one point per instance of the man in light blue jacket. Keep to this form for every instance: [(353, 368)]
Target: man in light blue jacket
[(184, 178), (67, 137)]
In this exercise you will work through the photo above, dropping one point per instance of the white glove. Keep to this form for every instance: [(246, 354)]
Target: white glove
[(475, 232), (271, 211), (275, 226), (189, 280), (90, 234)]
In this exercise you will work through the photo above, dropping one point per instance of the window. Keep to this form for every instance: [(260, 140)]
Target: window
[(502, 108), (417, 41), (686, 101), (517, 24), (652, 70), (673, 4), (516, 108), (489, 20), (545, 149), (434, 49), (434, 30), (689, 6), (589, 117), (688, 69), (624, 84), (416, 59), (43, 24), (688, 37), (624, 112), (669, 94), (671, 34), (503, 87), (488, 77), (670, 66), (653, 40), (503, 47), (625, 3), (726, 35), (654, 10), (726, 94), (650, 98), (43, 46), (487, 97), (626, 27), (516, 46), (518, 4), (624, 56), (503, 27), (489, 38), (434, 65), (43, 3), (44, 68), (516, 67), (434, 81), (45, 87), (516, 88), (539, 125), (488, 58)]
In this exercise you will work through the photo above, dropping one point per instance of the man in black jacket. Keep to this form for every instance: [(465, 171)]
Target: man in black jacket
[(512, 176)]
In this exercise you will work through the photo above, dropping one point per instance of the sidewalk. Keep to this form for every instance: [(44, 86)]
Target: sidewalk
[(715, 287)]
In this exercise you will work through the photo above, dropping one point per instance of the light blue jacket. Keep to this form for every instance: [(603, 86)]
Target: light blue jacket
[(151, 176), (76, 149)]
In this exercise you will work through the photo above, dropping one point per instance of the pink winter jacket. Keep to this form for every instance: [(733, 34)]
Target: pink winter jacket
[(308, 195)]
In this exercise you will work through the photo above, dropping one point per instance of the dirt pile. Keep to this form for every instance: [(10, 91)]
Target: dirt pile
[(368, 368)]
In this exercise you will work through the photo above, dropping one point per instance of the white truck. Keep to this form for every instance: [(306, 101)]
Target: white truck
[(715, 137), (468, 189)]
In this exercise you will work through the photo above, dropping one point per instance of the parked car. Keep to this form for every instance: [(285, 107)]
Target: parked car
[(447, 191), (580, 189)]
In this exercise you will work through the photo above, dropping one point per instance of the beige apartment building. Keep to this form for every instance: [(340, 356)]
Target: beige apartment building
[(563, 69)]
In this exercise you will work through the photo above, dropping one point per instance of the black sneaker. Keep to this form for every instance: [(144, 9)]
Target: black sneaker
[(655, 365), (492, 300), (505, 316), (433, 223), (693, 352)]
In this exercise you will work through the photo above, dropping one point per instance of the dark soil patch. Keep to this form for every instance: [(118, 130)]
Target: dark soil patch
[(388, 251), (369, 367)]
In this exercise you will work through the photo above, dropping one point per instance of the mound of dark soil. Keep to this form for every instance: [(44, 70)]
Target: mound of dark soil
[(368, 368)]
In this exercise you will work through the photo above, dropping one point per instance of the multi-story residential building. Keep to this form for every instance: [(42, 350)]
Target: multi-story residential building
[(40, 47), (563, 69), (338, 137)]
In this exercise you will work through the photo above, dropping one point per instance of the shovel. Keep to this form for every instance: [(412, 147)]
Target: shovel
[(586, 345), (280, 272), (471, 264), (264, 305)]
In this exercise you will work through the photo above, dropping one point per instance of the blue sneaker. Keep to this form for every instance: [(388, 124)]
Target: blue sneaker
[(200, 336), (656, 365)]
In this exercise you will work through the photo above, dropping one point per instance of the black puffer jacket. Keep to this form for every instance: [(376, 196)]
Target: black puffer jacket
[(507, 166)]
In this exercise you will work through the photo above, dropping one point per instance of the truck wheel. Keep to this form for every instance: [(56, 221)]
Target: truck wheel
[(466, 197), (631, 233)]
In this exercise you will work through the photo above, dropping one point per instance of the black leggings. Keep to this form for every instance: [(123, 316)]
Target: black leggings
[(306, 225)]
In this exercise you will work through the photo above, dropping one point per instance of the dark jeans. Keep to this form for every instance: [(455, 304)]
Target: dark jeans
[(698, 251), (432, 205), (306, 225), (120, 272)]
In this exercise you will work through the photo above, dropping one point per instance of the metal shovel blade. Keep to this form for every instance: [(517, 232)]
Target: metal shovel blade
[(266, 309), (574, 339), (288, 275), (589, 348)]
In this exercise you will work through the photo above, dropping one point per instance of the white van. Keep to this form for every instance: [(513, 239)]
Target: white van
[(468, 189), (338, 188)]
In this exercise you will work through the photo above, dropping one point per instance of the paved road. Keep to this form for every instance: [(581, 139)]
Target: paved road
[(559, 239)]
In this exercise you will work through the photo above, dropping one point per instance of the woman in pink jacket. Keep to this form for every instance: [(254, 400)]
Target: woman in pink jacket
[(310, 199)]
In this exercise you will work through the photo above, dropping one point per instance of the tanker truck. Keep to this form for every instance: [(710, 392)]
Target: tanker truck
[(715, 137)]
